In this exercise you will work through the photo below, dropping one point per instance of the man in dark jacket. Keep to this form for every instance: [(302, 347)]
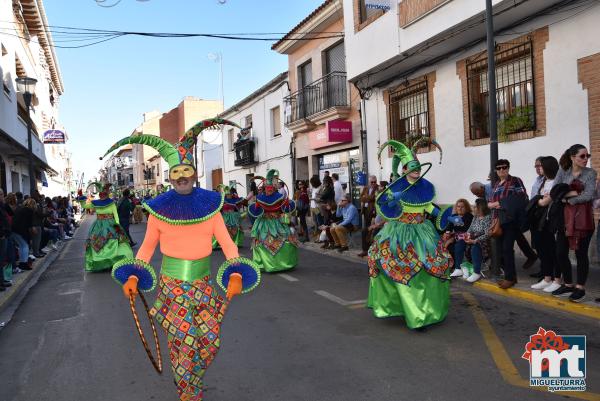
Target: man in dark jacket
[(124, 209)]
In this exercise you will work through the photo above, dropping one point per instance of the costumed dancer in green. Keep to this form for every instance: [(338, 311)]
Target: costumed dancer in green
[(183, 221), (408, 264), (232, 214), (274, 244), (107, 242)]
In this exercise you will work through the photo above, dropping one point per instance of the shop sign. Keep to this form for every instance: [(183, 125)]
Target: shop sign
[(378, 5), (54, 136), (337, 131)]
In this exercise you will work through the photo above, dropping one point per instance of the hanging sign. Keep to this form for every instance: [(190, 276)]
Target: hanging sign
[(378, 5), (54, 136)]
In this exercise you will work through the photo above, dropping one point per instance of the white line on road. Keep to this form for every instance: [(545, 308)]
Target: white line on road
[(287, 277), (338, 300)]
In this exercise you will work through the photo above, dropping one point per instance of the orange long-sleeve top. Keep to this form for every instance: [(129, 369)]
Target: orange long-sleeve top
[(189, 242)]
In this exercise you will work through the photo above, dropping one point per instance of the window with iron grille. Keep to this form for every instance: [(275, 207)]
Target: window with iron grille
[(514, 93), (409, 117)]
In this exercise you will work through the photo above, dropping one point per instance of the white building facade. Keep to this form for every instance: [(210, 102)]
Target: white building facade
[(429, 77), (28, 51), (267, 142)]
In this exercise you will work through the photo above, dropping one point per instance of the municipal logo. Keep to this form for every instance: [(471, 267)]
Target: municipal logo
[(556, 362)]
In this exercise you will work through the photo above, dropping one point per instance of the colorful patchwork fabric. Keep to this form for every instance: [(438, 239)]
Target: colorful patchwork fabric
[(373, 269), (439, 264), (274, 244), (412, 218), (97, 241), (400, 269), (191, 314)]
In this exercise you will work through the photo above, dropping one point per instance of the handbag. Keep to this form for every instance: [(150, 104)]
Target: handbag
[(495, 228)]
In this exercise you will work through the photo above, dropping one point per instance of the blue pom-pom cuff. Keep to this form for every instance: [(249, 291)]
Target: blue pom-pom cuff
[(387, 206), (81, 198), (289, 208), (247, 268), (442, 219), (145, 273)]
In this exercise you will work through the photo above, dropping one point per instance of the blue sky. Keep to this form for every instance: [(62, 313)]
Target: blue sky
[(108, 86)]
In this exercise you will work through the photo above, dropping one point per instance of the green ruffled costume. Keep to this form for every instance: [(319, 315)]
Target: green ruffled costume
[(408, 264), (107, 243), (274, 245)]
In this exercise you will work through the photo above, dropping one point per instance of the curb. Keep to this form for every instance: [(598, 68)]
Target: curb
[(563, 304), (12, 298), (545, 300)]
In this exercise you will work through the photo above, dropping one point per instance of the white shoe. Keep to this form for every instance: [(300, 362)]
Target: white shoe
[(32, 257), (46, 249), (541, 285), (67, 237), (456, 273), (474, 277), (54, 247), (552, 287)]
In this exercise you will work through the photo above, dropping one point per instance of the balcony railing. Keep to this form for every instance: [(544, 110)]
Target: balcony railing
[(322, 94), (244, 153)]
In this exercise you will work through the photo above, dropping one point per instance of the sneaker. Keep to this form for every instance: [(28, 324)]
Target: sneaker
[(54, 247), (465, 272), (473, 277), (541, 285), (563, 291), (552, 287), (457, 273), (578, 295), (46, 249), (32, 257), (16, 270), (67, 237)]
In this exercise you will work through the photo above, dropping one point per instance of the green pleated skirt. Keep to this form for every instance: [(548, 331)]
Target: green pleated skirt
[(106, 245), (285, 259), (426, 298)]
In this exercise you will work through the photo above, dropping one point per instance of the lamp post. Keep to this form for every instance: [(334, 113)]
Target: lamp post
[(26, 86)]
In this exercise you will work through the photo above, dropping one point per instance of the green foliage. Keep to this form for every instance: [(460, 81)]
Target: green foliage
[(520, 120)]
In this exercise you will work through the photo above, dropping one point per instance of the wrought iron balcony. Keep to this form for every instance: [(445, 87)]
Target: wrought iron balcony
[(244, 153), (328, 92)]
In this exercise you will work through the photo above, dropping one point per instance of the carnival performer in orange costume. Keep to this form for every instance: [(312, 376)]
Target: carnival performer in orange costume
[(183, 221)]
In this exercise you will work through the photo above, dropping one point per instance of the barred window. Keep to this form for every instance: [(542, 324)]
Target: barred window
[(409, 117), (514, 93)]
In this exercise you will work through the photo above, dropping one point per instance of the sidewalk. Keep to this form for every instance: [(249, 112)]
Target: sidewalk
[(22, 282), (521, 291)]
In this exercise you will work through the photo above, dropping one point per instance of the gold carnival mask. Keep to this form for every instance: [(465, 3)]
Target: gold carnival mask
[(182, 170)]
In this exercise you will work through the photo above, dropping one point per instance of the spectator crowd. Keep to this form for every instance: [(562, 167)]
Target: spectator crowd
[(31, 227)]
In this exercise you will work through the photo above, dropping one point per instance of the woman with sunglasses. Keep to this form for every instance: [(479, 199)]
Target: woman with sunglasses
[(508, 202), (579, 219)]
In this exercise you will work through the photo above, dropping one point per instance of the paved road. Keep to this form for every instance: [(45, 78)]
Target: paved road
[(300, 336)]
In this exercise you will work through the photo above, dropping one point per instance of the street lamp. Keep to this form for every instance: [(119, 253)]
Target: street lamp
[(26, 86)]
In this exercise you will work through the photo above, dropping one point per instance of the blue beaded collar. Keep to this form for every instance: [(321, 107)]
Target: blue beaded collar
[(269, 200), (102, 202), (421, 193), (174, 208)]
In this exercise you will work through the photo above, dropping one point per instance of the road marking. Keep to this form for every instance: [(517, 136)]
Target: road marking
[(70, 292), (287, 277), (507, 369), (545, 300), (338, 300)]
